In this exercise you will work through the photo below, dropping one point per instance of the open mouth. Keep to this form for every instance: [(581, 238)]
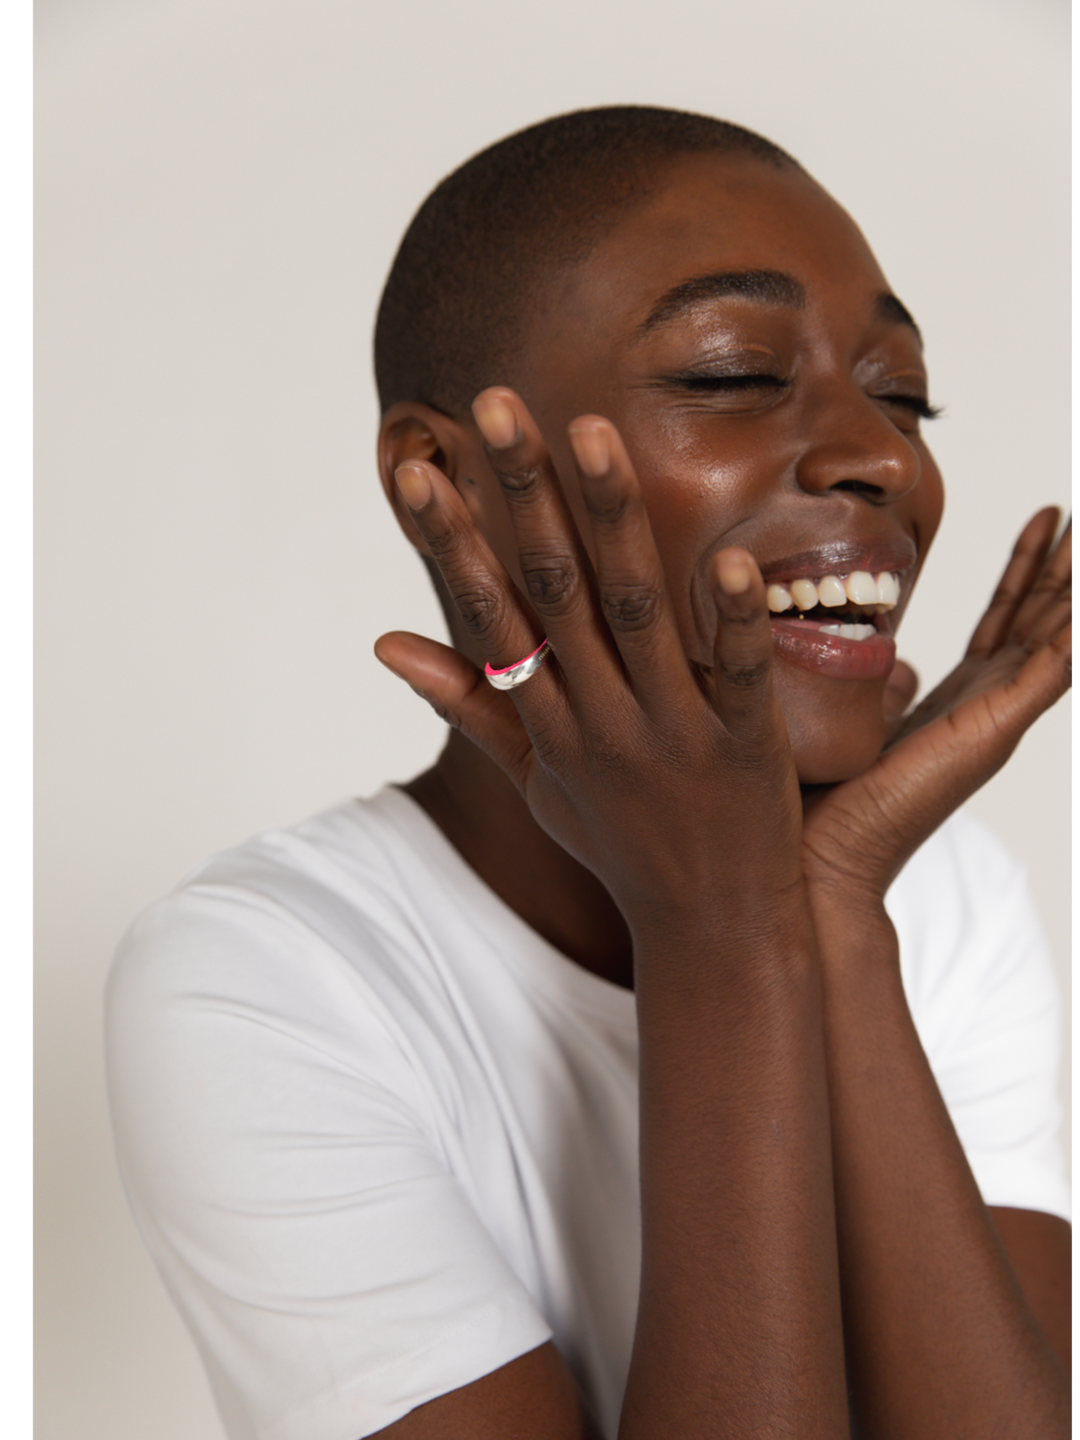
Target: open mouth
[(836, 624), (844, 605)]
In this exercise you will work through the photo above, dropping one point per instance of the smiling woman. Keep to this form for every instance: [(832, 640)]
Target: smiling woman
[(610, 1078)]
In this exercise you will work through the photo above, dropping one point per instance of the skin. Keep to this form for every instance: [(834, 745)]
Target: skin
[(618, 781)]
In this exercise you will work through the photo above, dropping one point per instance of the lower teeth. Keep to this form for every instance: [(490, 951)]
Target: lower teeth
[(848, 632)]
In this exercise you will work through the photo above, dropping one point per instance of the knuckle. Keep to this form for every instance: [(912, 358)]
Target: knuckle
[(480, 610), (606, 508), (551, 581), (630, 608), (445, 545), (747, 618), (523, 480), (744, 675)]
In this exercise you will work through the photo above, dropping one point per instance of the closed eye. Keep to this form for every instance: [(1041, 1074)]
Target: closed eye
[(733, 384), (916, 403), (698, 380)]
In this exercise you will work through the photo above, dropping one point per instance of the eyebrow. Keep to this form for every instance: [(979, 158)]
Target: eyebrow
[(767, 287), (888, 307)]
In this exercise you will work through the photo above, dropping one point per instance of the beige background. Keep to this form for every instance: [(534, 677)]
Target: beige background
[(220, 190)]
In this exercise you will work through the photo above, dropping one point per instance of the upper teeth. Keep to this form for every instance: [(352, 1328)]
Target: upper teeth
[(859, 588)]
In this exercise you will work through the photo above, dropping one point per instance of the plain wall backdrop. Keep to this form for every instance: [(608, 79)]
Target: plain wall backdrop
[(221, 188)]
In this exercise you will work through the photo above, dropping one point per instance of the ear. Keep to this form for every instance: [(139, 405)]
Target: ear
[(411, 431)]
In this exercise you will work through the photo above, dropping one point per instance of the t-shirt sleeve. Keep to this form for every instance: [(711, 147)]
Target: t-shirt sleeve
[(290, 1186), (985, 999)]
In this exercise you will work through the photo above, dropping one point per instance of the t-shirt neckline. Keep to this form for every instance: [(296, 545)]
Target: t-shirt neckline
[(538, 963)]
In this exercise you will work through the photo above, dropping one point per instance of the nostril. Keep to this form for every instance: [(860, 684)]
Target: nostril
[(860, 487)]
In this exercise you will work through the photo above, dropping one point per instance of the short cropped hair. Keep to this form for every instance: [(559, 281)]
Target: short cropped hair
[(489, 235)]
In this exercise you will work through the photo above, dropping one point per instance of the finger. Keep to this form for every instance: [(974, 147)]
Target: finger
[(479, 585), (919, 781), (1019, 575), (556, 571), (1040, 681), (1050, 623), (900, 690), (630, 582), (1054, 583), (459, 694), (745, 699)]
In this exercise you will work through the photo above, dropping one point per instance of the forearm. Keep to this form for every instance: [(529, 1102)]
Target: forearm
[(739, 1327), (940, 1339)]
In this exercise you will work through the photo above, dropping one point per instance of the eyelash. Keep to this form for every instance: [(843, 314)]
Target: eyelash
[(921, 407), (695, 381)]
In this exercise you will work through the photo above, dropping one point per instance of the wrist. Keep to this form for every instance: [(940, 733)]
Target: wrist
[(837, 898), (854, 930), (770, 928)]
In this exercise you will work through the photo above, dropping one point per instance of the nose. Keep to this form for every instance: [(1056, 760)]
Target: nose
[(856, 447)]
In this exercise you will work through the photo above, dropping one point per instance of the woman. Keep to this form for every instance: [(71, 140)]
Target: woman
[(645, 882)]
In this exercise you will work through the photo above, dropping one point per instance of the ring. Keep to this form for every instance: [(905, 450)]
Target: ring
[(517, 674)]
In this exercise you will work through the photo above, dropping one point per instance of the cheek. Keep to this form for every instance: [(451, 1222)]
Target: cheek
[(697, 505), (929, 500)]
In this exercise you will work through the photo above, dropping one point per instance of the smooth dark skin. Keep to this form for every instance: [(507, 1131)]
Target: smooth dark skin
[(719, 828)]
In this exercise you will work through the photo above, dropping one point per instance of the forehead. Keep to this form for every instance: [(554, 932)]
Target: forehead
[(716, 214)]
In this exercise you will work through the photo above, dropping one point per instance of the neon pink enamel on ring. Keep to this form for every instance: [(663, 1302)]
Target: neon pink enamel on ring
[(522, 670)]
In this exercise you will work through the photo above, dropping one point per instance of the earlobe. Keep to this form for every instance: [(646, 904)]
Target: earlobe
[(411, 431)]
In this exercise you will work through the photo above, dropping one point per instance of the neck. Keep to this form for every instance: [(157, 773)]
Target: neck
[(490, 825)]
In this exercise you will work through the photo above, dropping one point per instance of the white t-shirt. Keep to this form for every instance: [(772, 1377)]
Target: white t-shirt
[(381, 1138)]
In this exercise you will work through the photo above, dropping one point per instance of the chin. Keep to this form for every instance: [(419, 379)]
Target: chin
[(830, 770), (836, 747)]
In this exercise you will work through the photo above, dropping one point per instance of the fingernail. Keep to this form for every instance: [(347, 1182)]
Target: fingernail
[(592, 448), (497, 421), (734, 574), (414, 484)]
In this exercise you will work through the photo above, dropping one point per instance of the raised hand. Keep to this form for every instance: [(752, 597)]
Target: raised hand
[(642, 768), (677, 788), (859, 834)]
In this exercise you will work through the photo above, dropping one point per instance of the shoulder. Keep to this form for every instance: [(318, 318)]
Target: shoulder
[(281, 1071), (330, 883), (985, 998), (302, 941)]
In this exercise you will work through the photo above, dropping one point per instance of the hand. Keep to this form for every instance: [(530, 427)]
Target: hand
[(858, 835), (640, 766), (900, 690)]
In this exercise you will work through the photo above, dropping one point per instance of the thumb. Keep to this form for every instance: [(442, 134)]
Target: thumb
[(458, 693), (900, 691)]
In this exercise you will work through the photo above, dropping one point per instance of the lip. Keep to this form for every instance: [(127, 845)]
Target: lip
[(896, 553), (798, 641), (801, 643)]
